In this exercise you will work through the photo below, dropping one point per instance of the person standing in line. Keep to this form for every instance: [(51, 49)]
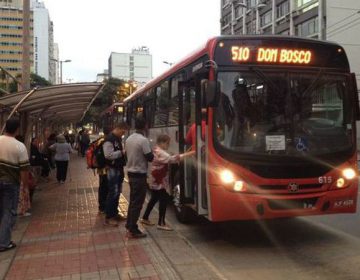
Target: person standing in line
[(139, 153), (159, 185), (62, 157), (14, 165), (115, 162), (85, 141), (103, 181), (24, 205), (48, 152)]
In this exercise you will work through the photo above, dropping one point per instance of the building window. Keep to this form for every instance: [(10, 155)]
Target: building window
[(250, 3), (285, 32), (266, 18), (283, 9), (251, 27), (225, 2), (267, 30), (308, 28), (300, 3), (226, 20)]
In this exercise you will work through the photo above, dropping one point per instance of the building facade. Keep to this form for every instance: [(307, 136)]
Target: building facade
[(11, 30), (134, 66), (54, 64), (42, 40), (334, 20)]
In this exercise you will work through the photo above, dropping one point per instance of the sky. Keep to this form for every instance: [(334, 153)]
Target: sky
[(89, 30)]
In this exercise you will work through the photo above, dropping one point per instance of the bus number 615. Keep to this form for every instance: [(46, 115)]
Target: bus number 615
[(325, 180)]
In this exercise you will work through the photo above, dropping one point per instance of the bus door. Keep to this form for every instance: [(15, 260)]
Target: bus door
[(191, 131)]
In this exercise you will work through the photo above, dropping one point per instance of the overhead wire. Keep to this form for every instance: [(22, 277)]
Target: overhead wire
[(344, 19), (343, 26)]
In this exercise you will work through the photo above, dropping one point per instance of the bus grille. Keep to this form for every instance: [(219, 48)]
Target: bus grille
[(281, 204), (304, 187)]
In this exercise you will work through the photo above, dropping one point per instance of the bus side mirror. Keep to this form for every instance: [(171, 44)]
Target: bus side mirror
[(209, 89)]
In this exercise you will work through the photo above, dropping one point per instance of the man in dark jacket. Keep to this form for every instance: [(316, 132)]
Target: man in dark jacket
[(115, 162)]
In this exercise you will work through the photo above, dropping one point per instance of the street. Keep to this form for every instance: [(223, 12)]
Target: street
[(324, 247)]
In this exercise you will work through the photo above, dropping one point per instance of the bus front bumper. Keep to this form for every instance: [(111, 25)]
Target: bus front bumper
[(226, 205)]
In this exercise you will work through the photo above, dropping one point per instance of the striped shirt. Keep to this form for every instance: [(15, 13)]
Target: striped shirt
[(13, 158)]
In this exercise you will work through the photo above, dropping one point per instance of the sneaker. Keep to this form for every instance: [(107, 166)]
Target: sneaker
[(101, 212), (111, 222), (147, 222), (164, 227), (136, 234)]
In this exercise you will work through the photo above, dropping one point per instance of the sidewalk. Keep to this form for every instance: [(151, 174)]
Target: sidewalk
[(66, 239)]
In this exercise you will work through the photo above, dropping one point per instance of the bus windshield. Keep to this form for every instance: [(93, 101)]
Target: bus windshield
[(283, 113)]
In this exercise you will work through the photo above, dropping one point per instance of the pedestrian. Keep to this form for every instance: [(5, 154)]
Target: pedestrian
[(62, 156), (159, 185), (84, 142), (115, 162), (37, 159), (103, 181), (49, 154), (138, 153), (24, 206), (14, 165)]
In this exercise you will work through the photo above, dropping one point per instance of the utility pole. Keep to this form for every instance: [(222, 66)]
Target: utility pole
[(25, 77)]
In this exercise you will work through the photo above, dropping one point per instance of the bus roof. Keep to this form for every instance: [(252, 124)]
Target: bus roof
[(208, 48)]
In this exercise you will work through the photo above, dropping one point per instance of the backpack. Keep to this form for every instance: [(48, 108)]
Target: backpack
[(95, 157)]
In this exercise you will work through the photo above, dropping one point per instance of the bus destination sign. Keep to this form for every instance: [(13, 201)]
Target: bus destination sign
[(280, 51), (271, 55)]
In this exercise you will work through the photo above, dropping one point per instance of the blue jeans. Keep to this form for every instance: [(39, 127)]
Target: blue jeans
[(115, 179), (9, 199)]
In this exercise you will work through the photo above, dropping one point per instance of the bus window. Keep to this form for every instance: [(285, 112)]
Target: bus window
[(162, 105), (174, 101), (149, 109)]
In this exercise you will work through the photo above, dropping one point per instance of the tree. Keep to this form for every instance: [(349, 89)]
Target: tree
[(35, 81), (109, 95)]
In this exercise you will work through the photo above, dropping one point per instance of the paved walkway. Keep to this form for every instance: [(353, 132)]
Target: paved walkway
[(66, 239)]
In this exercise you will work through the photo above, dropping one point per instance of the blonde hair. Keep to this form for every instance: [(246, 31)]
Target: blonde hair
[(163, 138)]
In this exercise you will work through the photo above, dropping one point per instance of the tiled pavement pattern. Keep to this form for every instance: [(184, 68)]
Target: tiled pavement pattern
[(66, 238)]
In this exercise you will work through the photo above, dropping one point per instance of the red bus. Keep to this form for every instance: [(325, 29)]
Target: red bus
[(275, 129)]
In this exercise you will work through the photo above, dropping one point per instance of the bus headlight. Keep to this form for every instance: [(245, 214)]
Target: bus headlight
[(239, 186), (349, 173), (227, 176), (340, 183)]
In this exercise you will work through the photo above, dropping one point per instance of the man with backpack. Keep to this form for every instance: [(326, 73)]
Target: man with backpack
[(115, 161), (96, 160)]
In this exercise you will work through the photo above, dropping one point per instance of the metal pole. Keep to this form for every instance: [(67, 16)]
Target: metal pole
[(61, 75), (18, 106), (25, 78)]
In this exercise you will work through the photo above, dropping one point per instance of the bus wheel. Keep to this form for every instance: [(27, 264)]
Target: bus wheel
[(183, 214)]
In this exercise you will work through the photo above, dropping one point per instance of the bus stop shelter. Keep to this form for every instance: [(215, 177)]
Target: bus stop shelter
[(51, 107)]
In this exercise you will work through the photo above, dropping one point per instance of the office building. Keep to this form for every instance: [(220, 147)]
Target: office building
[(333, 20), (43, 40), (54, 64), (11, 30), (134, 66)]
